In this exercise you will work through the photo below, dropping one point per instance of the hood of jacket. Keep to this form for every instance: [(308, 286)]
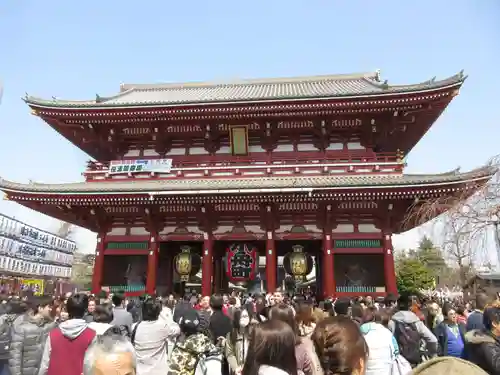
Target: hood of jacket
[(407, 317), (38, 320), (476, 337), (197, 343), (73, 328)]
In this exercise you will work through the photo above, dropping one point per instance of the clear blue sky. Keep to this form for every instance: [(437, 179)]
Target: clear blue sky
[(74, 50)]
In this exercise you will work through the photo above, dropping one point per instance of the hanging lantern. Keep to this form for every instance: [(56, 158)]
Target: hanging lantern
[(186, 263), (241, 262), (298, 263)]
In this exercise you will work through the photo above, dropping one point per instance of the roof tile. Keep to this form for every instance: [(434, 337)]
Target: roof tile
[(194, 185), (332, 86)]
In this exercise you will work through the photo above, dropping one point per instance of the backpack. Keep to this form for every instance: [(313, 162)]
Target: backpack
[(408, 339), (6, 338), (205, 363)]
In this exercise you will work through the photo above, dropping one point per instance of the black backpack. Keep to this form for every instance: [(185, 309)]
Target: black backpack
[(6, 338), (408, 339)]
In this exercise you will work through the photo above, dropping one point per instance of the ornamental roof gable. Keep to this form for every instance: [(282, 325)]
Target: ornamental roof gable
[(251, 185), (342, 86)]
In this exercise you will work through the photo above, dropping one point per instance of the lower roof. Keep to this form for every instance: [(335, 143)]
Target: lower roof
[(250, 185)]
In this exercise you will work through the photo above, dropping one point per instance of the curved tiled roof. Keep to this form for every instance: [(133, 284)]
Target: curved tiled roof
[(314, 87), (194, 186)]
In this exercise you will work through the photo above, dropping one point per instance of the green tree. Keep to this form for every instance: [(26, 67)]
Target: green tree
[(432, 257), (412, 275)]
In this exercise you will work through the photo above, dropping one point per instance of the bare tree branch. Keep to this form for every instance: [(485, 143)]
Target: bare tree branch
[(465, 218)]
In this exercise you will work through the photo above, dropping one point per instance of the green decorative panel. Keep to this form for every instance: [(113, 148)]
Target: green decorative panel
[(350, 244), (356, 289), (126, 288), (128, 245)]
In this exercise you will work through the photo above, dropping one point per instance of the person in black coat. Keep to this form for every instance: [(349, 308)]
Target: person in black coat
[(220, 324), (182, 306), (482, 347)]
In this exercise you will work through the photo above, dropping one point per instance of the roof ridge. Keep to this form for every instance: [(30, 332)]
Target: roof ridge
[(248, 81)]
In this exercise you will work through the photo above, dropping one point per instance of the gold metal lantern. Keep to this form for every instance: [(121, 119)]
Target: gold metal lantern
[(184, 263), (298, 263)]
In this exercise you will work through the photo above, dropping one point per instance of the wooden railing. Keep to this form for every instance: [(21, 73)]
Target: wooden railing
[(281, 158)]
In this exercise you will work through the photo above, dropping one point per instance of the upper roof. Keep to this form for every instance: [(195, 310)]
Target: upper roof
[(255, 90), (250, 185)]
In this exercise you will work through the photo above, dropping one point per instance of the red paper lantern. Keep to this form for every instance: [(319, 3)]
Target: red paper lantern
[(241, 262)]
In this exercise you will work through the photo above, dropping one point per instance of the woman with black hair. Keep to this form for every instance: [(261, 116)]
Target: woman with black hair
[(236, 347), (271, 350)]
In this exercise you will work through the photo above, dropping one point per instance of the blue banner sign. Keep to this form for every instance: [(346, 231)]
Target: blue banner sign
[(137, 166)]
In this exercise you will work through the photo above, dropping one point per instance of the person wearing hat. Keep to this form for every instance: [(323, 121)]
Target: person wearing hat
[(448, 366)]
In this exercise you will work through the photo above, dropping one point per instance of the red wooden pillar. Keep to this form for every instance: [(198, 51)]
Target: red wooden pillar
[(207, 265), (329, 287), (98, 263), (169, 273), (271, 263), (389, 270), (152, 264)]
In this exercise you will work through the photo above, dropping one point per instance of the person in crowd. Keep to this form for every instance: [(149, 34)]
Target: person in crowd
[(15, 314), (303, 352), (182, 307), (381, 344), (102, 318), (409, 330), (121, 317), (328, 308), (89, 315), (342, 306), (62, 315), (462, 314), (482, 346), (271, 350), (190, 346), (236, 346), (434, 315), (261, 309), (110, 355), (475, 319), (450, 334), (357, 313), (66, 345), (220, 324), (166, 311), (205, 311), (276, 298), (167, 316), (305, 319), (150, 339), (391, 301), (135, 309), (448, 366), (29, 337), (340, 346)]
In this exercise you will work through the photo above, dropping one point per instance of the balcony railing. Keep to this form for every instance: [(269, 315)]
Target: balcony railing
[(281, 159)]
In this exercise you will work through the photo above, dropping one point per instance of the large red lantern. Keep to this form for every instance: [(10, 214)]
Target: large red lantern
[(241, 262)]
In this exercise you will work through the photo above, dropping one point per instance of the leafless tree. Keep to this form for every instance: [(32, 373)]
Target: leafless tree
[(65, 230), (464, 220)]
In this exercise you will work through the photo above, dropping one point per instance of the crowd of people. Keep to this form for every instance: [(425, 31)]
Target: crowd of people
[(247, 335)]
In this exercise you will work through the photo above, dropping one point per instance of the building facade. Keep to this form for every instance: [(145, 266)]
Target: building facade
[(30, 253), (309, 163)]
